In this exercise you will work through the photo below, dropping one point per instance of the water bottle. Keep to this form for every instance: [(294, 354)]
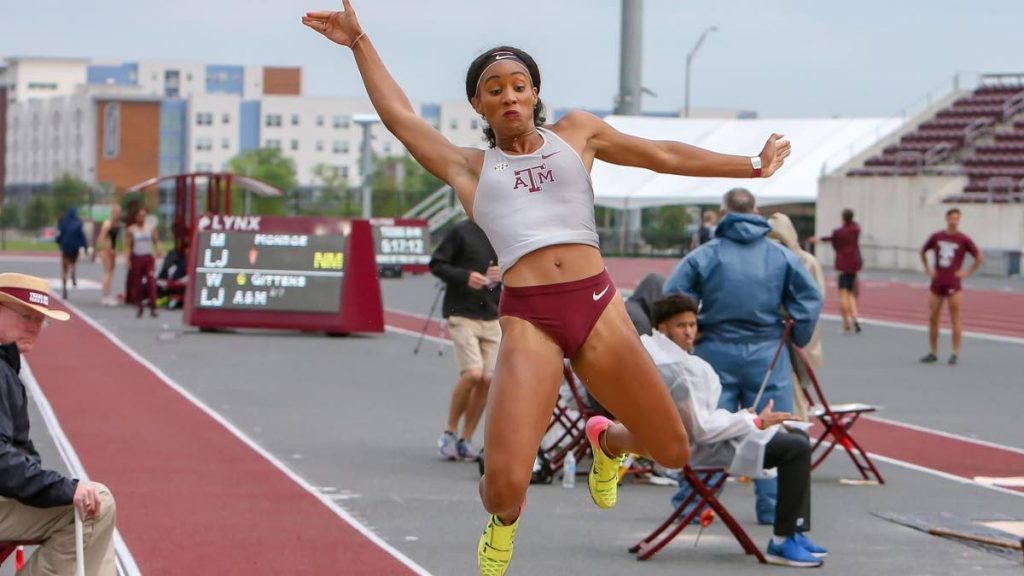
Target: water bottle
[(569, 470)]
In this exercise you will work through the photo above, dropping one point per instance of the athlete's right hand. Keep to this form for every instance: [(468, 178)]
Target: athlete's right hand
[(477, 280), (86, 500), (340, 27)]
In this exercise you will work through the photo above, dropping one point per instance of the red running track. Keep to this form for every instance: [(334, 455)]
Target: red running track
[(192, 497), (984, 311), (936, 451)]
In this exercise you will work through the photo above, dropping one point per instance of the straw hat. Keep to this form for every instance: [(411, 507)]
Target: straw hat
[(30, 292)]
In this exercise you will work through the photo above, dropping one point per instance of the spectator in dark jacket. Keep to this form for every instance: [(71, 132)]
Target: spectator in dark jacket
[(846, 244), (71, 238), (467, 264), (36, 503)]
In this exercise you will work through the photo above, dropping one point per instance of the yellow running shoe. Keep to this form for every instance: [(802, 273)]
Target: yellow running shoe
[(494, 553), (604, 472)]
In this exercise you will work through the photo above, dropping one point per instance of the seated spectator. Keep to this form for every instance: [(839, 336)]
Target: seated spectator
[(171, 280), (639, 303), (745, 443), (38, 504)]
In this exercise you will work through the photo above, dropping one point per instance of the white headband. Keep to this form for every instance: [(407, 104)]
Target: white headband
[(499, 57)]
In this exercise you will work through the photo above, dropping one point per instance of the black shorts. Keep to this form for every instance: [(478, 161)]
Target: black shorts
[(71, 257), (847, 280)]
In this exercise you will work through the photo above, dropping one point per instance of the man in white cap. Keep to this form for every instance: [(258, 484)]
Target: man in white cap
[(38, 504)]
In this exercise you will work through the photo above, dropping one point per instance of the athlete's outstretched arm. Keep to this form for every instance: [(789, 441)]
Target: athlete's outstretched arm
[(439, 156), (669, 157)]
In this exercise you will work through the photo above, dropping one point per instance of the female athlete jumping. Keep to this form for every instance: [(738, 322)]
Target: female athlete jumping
[(531, 193)]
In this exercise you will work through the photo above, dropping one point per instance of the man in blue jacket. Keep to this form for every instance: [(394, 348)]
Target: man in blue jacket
[(744, 284)]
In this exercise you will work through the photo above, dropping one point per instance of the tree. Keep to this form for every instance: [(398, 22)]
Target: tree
[(68, 191), (39, 213), (332, 198), (271, 166), (399, 183), (10, 217), (667, 227)]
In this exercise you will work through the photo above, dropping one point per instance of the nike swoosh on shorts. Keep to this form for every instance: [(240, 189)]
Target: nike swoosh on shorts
[(599, 295)]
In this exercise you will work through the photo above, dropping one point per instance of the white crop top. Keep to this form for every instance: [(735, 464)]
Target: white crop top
[(524, 203)]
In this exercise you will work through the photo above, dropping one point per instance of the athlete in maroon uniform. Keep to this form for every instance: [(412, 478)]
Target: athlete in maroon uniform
[(846, 244), (950, 246), (530, 192)]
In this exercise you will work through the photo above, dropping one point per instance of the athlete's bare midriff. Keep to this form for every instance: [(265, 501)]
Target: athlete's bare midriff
[(554, 265)]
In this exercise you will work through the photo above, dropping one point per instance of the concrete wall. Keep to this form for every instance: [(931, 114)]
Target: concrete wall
[(314, 131), (31, 78), (48, 137), (3, 140), (897, 214), (282, 81), (137, 156), (213, 132)]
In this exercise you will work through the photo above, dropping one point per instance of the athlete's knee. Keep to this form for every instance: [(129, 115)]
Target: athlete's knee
[(503, 488), (474, 375), (108, 505), (675, 454)]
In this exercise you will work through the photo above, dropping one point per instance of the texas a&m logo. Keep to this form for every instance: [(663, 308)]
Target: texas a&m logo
[(533, 178), (37, 298)]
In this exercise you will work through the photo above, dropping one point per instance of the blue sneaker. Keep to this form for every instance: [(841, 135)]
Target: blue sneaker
[(447, 446), (467, 451), (810, 546), (789, 553)]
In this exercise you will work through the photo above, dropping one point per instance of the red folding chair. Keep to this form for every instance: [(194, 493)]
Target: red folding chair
[(704, 484), (16, 548), (836, 422), (566, 430)]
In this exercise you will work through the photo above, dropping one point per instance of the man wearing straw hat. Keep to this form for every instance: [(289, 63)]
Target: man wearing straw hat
[(38, 504)]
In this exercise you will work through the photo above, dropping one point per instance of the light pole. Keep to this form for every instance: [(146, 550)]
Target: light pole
[(366, 121), (689, 60)]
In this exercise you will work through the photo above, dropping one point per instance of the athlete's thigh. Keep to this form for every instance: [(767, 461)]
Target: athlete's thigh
[(935, 303), (522, 396), (953, 302), (616, 369)]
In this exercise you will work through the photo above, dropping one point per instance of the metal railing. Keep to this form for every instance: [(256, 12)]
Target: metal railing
[(438, 209)]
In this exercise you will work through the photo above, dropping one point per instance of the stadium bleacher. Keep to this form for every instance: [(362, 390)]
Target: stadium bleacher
[(980, 136)]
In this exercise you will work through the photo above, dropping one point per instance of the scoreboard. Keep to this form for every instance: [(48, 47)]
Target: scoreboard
[(291, 273), (402, 243)]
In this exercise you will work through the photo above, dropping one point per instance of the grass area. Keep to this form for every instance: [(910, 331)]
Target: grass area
[(23, 245)]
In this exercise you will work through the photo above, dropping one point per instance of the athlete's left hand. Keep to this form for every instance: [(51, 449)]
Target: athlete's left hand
[(774, 154), (341, 27), (962, 274)]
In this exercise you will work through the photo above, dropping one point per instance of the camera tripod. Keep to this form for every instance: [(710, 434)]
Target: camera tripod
[(426, 323)]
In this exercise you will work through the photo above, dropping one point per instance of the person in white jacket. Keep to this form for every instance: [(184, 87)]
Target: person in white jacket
[(743, 442)]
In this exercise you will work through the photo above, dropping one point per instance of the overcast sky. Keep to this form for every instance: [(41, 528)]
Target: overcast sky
[(786, 58)]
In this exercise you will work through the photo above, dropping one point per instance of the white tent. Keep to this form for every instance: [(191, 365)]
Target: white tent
[(819, 146)]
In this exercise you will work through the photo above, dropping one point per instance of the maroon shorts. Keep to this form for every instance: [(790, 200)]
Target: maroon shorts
[(945, 287), (567, 312)]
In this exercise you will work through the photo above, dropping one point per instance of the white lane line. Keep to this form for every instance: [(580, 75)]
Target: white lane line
[(125, 561), (946, 475), (949, 435), (324, 499), (918, 328), (1004, 481)]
